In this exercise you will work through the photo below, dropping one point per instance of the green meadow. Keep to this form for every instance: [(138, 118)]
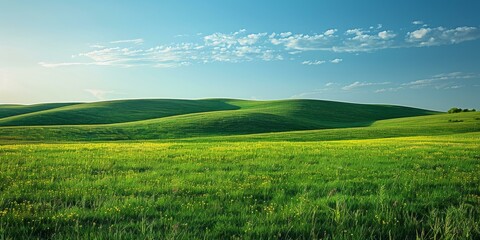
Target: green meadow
[(237, 169)]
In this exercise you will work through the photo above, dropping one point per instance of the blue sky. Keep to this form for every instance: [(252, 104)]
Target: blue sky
[(415, 53)]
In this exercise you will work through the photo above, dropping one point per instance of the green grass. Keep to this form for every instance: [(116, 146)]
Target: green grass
[(400, 188), (236, 169), (215, 117), (114, 112), (196, 127), (295, 114), (7, 110), (439, 124)]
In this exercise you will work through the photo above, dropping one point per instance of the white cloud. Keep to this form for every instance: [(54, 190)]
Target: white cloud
[(317, 62), (129, 57), (228, 40), (454, 87), (220, 39), (394, 89), (441, 81), (241, 46), (385, 35), (442, 36), (355, 31), (329, 84), (134, 41), (362, 84), (419, 34), (354, 85), (251, 39), (270, 55), (98, 93), (336, 60), (359, 40), (303, 42), (460, 34), (330, 32), (295, 52), (311, 93), (417, 22)]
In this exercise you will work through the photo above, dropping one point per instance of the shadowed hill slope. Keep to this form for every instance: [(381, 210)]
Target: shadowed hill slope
[(194, 118), (439, 124), (432, 125), (7, 110), (114, 112)]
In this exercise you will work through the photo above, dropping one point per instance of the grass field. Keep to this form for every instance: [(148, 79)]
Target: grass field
[(197, 130), (401, 178)]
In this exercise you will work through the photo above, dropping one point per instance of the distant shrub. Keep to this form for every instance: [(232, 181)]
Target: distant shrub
[(457, 110), (454, 110), (455, 120)]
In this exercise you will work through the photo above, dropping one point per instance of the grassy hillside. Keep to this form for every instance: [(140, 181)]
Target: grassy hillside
[(180, 127), (7, 110), (439, 124), (194, 118), (114, 112)]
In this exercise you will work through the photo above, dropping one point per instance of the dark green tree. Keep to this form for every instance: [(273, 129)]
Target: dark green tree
[(454, 110)]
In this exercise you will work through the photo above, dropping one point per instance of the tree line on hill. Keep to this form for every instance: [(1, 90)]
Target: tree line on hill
[(457, 110)]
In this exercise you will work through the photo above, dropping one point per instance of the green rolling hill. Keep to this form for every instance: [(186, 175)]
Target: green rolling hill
[(112, 112), (168, 119), (7, 110), (439, 124), (283, 114), (431, 125)]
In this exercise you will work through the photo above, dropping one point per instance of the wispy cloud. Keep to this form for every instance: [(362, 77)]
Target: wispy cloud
[(442, 81), (98, 93), (330, 32), (242, 46), (160, 57), (362, 84), (394, 89), (311, 93), (134, 41), (455, 87), (336, 60), (317, 62)]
